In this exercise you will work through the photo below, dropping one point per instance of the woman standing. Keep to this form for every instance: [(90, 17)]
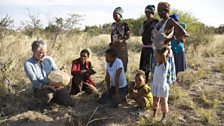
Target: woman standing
[(147, 46), (163, 34), (119, 34)]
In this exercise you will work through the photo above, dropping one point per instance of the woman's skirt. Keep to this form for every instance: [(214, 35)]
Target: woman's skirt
[(146, 59), (180, 62), (122, 51), (171, 75)]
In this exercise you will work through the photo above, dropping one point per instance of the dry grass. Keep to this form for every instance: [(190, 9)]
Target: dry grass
[(190, 77), (180, 98), (207, 99), (196, 56), (219, 67), (214, 47), (208, 106), (16, 49), (208, 116)]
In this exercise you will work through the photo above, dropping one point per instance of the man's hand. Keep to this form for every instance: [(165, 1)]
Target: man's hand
[(54, 88)]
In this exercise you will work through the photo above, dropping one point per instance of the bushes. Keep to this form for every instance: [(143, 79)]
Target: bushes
[(135, 25), (92, 30), (220, 29), (96, 30), (5, 26)]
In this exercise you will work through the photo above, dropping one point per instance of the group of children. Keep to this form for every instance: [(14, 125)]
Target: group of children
[(146, 98), (151, 98)]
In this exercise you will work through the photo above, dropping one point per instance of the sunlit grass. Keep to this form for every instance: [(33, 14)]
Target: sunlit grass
[(16, 49)]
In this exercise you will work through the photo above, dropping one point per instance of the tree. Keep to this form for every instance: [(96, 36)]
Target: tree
[(58, 24), (54, 28), (5, 26), (33, 26), (135, 25), (220, 29), (72, 21), (92, 30), (106, 28)]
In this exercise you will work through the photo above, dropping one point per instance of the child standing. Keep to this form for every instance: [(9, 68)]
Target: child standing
[(160, 87), (141, 92)]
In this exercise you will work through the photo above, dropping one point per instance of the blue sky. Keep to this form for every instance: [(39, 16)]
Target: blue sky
[(210, 12)]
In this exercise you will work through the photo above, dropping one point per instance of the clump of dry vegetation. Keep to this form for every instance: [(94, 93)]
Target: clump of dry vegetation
[(194, 99)]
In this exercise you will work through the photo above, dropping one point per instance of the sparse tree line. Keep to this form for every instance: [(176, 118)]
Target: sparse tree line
[(33, 26), (69, 25)]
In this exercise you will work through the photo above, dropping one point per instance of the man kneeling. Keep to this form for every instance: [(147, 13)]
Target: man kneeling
[(37, 69)]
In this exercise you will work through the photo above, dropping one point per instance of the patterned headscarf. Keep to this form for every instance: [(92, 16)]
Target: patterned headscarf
[(119, 10), (150, 8), (164, 5)]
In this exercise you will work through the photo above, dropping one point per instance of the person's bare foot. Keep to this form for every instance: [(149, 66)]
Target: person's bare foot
[(125, 102), (154, 113), (163, 120)]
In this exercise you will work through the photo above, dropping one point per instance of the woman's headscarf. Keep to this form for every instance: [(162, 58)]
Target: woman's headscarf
[(119, 11), (164, 5), (150, 8)]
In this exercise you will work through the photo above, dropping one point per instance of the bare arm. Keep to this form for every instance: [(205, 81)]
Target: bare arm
[(126, 36), (117, 78), (111, 39), (165, 54), (177, 27), (141, 31), (141, 92), (107, 79), (131, 86), (127, 33)]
